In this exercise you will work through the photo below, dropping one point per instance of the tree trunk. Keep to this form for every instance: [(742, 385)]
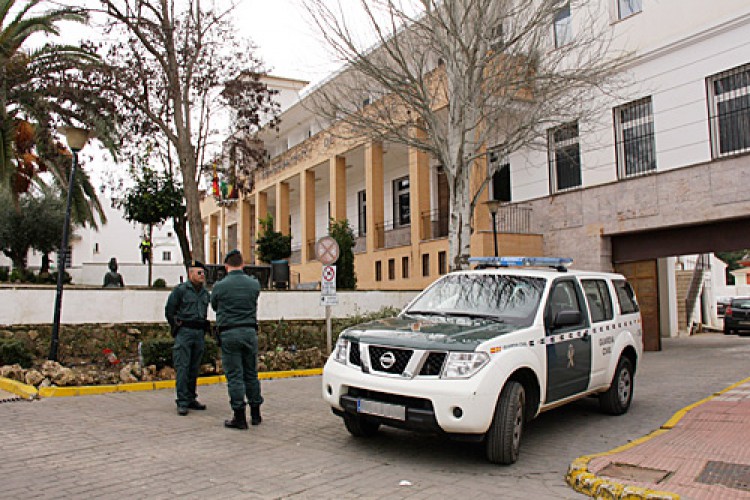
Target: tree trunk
[(192, 201), (151, 250), (459, 234), (45, 264), (180, 229)]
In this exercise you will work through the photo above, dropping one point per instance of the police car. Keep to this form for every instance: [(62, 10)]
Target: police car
[(479, 353)]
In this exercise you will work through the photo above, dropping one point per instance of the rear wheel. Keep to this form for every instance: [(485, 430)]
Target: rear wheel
[(359, 426), (503, 440), (616, 400)]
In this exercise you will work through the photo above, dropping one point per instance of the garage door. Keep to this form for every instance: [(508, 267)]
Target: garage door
[(643, 277)]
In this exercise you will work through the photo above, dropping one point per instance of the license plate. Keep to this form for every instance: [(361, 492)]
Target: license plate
[(387, 410)]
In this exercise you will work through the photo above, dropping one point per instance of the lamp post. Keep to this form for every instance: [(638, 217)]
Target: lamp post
[(76, 139), (493, 206)]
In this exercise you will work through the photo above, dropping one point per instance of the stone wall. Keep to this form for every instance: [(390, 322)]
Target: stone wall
[(579, 223)]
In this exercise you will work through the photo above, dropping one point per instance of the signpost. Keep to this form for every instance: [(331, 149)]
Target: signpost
[(327, 252)]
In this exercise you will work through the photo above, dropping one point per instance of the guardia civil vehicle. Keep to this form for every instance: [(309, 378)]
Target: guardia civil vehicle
[(481, 352)]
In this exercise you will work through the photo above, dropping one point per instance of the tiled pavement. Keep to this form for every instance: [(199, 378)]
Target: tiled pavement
[(134, 445)]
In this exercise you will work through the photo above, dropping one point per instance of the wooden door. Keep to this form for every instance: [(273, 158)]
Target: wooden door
[(643, 278)]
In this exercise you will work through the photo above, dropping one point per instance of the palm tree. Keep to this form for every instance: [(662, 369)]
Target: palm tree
[(42, 88)]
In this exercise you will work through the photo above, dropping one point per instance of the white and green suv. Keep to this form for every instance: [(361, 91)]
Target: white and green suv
[(479, 353)]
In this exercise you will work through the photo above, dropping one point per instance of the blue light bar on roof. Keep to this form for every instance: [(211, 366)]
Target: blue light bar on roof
[(521, 261)]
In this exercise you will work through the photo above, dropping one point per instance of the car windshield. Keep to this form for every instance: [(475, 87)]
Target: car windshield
[(510, 299), (741, 303)]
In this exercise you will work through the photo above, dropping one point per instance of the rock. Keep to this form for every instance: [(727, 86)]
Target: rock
[(219, 366), (46, 383), (207, 369), (6, 334), (34, 377), (33, 335), (166, 373), (137, 370), (126, 375), (64, 377), (135, 332), (13, 372), (50, 369)]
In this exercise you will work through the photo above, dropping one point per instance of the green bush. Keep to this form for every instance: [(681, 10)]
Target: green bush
[(66, 277), (22, 276), (13, 352), (4, 273), (159, 283), (158, 352)]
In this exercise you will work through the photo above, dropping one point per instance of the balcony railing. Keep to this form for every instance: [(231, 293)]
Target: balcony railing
[(514, 219), (388, 235), (434, 224)]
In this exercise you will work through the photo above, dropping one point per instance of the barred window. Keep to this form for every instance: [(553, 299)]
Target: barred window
[(626, 8), (635, 143), (564, 157), (729, 111), (563, 26)]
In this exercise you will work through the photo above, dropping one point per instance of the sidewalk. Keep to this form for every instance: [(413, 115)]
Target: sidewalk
[(702, 452)]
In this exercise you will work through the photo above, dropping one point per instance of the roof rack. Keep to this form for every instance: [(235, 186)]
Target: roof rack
[(558, 263)]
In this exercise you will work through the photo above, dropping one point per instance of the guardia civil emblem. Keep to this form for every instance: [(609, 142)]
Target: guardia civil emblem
[(571, 356)]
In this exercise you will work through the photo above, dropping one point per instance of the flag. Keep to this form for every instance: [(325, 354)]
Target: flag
[(215, 184)]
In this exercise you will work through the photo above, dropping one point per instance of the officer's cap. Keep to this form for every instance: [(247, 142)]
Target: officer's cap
[(231, 254), (196, 263)]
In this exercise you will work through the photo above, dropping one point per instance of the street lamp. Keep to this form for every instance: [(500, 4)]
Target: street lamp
[(493, 206), (76, 139)]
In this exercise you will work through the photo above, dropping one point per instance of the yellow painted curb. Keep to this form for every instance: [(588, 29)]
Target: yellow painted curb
[(583, 481), (18, 388), (85, 390)]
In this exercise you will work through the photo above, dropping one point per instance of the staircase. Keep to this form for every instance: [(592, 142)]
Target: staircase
[(694, 290)]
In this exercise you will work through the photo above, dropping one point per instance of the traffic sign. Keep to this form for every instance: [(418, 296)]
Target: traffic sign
[(327, 250), (328, 280), (329, 300)]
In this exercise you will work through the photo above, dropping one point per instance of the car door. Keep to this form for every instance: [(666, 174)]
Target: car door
[(603, 328), (567, 340)]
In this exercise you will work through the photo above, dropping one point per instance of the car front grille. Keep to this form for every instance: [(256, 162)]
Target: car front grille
[(433, 364), (381, 358), (354, 357)]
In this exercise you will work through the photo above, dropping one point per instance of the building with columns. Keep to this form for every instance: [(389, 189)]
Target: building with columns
[(657, 175)]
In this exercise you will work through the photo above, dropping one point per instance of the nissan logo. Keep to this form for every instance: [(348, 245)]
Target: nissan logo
[(387, 360)]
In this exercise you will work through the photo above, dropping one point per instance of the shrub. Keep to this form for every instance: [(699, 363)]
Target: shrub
[(4, 273), (22, 276), (272, 245), (159, 283), (158, 352), (346, 277), (13, 351), (66, 277)]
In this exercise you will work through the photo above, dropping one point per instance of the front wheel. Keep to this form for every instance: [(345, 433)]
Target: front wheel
[(616, 400), (503, 440), (359, 426)]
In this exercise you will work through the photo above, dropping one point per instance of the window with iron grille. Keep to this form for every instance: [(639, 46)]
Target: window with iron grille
[(564, 157), (401, 209), (634, 132), (563, 26), (362, 212), (729, 111), (378, 271), (626, 8), (500, 177), (425, 264), (166, 256)]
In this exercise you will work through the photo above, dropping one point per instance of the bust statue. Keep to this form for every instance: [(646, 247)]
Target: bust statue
[(113, 279)]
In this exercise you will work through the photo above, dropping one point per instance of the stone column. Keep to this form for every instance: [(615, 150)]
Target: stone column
[(374, 193), (282, 207), (245, 223), (307, 211), (419, 192), (337, 170), (261, 210)]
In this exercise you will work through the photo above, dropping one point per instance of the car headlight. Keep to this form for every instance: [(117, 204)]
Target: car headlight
[(339, 353), (464, 364)]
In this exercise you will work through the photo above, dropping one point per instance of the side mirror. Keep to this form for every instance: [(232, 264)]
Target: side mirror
[(567, 318)]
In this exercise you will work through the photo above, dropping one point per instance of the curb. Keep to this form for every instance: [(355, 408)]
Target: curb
[(580, 479), (31, 392)]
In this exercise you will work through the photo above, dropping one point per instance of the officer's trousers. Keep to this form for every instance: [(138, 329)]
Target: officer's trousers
[(239, 358), (186, 354)]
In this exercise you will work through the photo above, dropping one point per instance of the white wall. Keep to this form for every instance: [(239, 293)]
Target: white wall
[(34, 305)]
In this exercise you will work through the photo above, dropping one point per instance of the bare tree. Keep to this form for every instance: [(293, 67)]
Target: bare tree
[(459, 78), (175, 68)]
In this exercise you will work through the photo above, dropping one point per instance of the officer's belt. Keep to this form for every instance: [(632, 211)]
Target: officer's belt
[(201, 324), (224, 328)]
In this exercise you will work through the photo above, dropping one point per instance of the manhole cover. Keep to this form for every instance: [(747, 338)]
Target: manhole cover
[(727, 474), (630, 472)]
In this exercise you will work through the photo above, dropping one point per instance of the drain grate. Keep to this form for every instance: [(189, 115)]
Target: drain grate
[(731, 475), (629, 472)]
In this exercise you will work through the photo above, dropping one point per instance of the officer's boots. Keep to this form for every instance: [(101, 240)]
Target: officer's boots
[(239, 421), (255, 415)]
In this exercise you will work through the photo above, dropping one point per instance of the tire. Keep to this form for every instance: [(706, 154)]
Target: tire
[(503, 439), (359, 426), (727, 331), (618, 397)]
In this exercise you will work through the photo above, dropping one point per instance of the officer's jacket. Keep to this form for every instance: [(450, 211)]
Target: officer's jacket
[(235, 299), (185, 303)]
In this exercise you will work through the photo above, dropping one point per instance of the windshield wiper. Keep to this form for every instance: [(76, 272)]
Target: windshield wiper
[(425, 313), (466, 314)]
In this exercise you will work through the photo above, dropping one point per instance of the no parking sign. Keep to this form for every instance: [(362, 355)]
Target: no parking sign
[(328, 286)]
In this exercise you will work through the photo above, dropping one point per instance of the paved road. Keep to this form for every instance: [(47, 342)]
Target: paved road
[(135, 445)]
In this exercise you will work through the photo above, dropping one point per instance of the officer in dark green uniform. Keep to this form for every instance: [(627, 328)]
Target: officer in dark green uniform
[(235, 300), (186, 311)]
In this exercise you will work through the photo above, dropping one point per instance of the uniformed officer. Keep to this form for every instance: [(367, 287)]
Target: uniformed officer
[(235, 300), (186, 311)]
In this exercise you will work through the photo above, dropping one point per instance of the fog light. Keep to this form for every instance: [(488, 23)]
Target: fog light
[(329, 389), (458, 412)]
